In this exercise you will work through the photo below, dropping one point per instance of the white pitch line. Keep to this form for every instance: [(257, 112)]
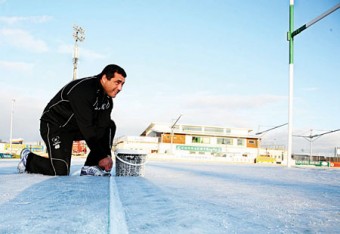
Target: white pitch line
[(117, 221)]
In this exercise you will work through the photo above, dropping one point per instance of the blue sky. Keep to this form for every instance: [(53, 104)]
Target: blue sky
[(221, 63)]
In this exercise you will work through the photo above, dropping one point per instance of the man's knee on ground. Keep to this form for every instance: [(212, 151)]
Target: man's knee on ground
[(61, 168)]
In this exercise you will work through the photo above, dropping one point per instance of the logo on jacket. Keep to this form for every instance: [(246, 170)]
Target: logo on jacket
[(56, 142), (103, 106)]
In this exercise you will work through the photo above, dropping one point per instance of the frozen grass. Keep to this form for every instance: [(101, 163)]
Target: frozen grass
[(175, 197)]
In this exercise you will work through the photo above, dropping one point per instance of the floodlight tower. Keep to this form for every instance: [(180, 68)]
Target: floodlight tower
[(290, 37), (78, 35)]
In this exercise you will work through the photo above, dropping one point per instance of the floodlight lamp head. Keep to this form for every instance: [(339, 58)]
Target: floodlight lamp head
[(79, 33)]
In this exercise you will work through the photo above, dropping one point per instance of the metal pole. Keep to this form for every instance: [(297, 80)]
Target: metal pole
[(75, 60), (313, 21), (172, 133), (11, 128), (291, 82), (78, 35), (291, 35)]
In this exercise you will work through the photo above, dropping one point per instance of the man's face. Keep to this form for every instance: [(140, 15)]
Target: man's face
[(114, 86)]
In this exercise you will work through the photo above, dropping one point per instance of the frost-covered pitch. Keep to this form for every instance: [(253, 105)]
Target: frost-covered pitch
[(173, 197)]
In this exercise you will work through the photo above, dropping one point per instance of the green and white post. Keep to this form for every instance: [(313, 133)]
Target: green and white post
[(291, 83), (290, 37)]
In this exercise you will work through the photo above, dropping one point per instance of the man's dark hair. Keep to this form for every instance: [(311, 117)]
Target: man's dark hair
[(110, 70)]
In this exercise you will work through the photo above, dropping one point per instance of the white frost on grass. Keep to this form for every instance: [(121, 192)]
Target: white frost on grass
[(174, 197)]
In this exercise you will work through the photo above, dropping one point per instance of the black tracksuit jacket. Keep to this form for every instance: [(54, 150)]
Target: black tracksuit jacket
[(82, 106)]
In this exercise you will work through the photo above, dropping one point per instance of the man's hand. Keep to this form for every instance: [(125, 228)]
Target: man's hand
[(106, 163)]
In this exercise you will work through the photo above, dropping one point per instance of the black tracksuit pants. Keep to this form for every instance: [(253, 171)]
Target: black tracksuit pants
[(59, 143)]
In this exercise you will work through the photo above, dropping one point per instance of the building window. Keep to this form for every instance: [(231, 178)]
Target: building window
[(213, 130), (240, 142), (251, 143), (225, 141), (192, 128), (201, 140), (196, 139)]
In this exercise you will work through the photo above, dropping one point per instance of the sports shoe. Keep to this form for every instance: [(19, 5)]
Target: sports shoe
[(93, 171), (23, 156)]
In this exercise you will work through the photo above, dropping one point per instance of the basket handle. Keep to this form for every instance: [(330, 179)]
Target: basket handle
[(128, 163)]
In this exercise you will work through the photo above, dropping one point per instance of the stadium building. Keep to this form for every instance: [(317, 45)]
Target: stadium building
[(197, 140)]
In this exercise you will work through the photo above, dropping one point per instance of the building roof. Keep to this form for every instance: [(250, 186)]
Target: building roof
[(198, 130)]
